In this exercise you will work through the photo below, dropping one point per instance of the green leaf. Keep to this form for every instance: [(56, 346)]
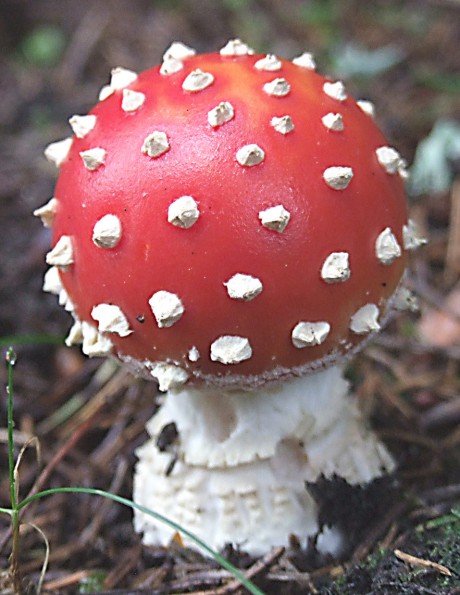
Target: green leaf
[(432, 171), (356, 60)]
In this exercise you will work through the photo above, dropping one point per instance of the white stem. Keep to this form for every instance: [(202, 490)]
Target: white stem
[(243, 458)]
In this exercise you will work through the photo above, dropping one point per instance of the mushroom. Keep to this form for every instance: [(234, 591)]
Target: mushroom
[(233, 226)]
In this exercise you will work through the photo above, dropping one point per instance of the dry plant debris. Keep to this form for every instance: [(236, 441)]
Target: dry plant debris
[(89, 421)]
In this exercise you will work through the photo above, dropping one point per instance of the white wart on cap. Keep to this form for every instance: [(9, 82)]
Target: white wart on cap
[(167, 308), (107, 231), (243, 287), (230, 349)]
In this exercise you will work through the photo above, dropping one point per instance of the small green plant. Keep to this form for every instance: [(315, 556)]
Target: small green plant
[(17, 505), (43, 46), (441, 536)]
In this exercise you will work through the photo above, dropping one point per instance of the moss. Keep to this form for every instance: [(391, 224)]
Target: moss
[(382, 573)]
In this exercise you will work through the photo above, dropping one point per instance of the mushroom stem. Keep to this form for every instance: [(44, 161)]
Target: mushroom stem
[(236, 465)]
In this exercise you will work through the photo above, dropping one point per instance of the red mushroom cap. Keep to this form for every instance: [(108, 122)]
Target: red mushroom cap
[(229, 218)]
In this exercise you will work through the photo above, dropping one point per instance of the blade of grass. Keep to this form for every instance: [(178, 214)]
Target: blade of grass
[(31, 340), (45, 560), (10, 362), (17, 506), (159, 517), (14, 568)]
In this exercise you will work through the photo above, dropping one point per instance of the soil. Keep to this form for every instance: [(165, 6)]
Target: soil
[(89, 416)]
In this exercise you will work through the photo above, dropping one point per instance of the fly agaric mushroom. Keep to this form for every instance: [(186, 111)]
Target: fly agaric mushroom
[(233, 226)]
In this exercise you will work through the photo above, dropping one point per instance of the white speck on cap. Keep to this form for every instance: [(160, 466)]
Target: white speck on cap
[(166, 307), (270, 63), (305, 60), (132, 100), (230, 349), (309, 334), (338, 177), (121, 77), (367, 107), (57, 152), (243, 287), (155, 144), (47, 212), (62, 253), (275, 218), (168, 375), (235, 47), (93, 158), (106, 91), (250, 155), (282, 124), (335, 90), (63, 296), (82, 125), (171, 66), (365, 320), (193, 354), (111, 319), (389, 159), (75, 336), (278, 87), (405, 299), (197, 80), (402, 169), (183, 212), (387, 248), (333, 122), (65, 301), (411, 237), (178, 51), (336, 268), (107, 231), (221, 114), (94, 344), (52, 281)]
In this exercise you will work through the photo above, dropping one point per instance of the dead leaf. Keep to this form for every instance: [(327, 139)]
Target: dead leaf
[(441, 327)]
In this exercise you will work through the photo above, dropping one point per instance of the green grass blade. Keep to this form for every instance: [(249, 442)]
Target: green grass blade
[(31, 340), (10, 362), (159, 517)]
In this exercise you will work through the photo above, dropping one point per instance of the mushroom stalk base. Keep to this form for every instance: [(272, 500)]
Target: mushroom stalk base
[(235, 472)]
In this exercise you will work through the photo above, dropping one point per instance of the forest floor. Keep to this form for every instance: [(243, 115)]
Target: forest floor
[(89, 417)]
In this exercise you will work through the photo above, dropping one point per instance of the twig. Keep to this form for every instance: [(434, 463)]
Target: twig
[(66, 581), (46, 473), (377, 530), (129, 561), (120, 379), (421, 562), (255, 570), (435, 495), (263, 564), (91, 531), (447, 412)]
